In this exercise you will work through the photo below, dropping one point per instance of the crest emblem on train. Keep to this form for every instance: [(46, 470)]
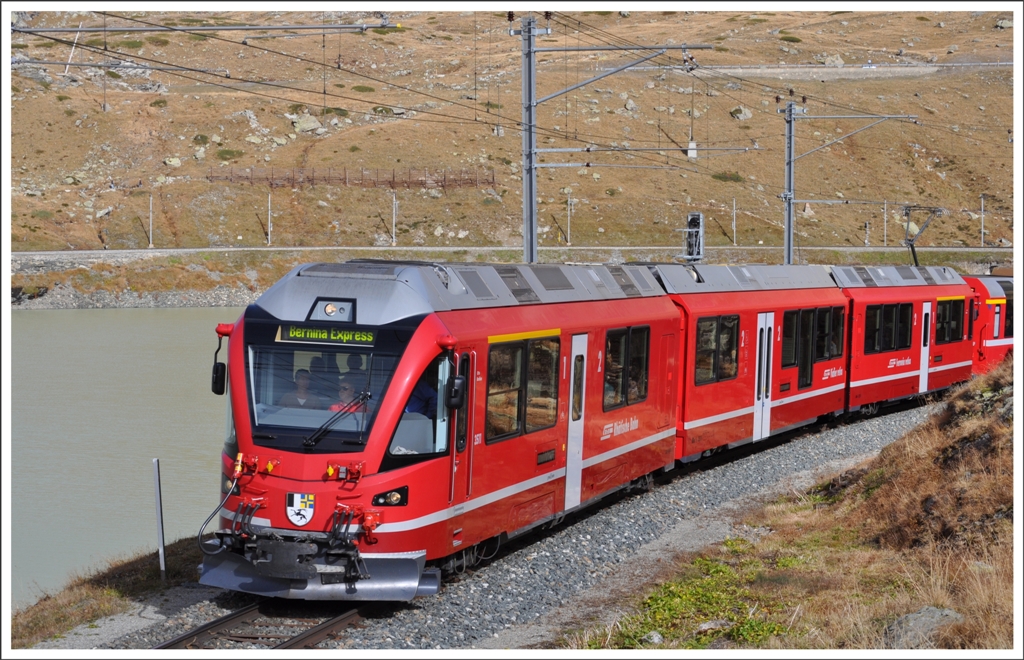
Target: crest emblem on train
[(299, 507)]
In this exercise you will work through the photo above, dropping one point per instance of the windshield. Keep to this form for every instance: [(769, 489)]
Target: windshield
[(297, 389)]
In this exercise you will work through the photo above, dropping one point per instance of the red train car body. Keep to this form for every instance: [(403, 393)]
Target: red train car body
[(390, 420), (993, 321)]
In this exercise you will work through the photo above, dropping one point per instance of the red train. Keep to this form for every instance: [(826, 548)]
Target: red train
[(389, 421)]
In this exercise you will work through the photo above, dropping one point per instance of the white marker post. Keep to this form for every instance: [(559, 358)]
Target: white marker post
[(159, 521)]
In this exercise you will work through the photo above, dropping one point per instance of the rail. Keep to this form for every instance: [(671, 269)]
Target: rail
[(261, 624)]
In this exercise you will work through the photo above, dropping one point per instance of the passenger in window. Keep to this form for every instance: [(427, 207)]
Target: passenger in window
[(301, 396), (727, 369), (423, 399), (348, 396)]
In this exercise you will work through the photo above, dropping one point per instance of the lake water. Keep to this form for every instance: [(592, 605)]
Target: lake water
[(95, 396)]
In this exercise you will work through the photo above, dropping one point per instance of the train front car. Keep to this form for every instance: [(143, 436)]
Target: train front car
[(322, 370), (993, 320), (388, 418)]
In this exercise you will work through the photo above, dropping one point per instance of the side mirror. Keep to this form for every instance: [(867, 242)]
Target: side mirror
[(220, 372), (456, 395)]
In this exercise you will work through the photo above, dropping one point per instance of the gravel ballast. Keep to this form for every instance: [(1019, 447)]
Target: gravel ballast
[(581, 573)]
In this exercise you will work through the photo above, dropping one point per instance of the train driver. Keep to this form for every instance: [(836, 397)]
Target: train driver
[(301, 396)]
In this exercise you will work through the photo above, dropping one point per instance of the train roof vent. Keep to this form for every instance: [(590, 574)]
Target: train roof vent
[(623, 281), (517, 284), (373, 271), (596, 278), (476, 283), (907, 273), (742, 276), (865, 276), (552, 278), (639, 278), (926, 275)]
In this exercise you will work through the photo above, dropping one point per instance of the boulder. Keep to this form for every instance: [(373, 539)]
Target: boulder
[(916, 630), (741, 113), (172, 162), (835, 62), (306, 123)]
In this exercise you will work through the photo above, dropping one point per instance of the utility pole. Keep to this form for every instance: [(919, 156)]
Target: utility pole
[(866, 233), (150, 219), (529, 33), (270, 220), (734, 222), (983, 220), (792, 111), (568, 206), (394, 217), (885, 223)]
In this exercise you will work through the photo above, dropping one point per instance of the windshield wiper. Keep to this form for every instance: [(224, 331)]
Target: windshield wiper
[(319, 434)]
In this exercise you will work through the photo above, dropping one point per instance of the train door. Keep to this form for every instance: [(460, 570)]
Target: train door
[(574, 441), (462, 455), (926, 316), (763, 376)]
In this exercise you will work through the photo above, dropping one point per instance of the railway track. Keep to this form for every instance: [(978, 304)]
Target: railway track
[(268, 624)]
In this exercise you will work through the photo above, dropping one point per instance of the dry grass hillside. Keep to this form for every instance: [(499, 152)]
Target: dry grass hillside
[(90, 149), (913, 549)]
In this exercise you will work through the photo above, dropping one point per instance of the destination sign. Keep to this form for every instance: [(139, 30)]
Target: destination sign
[(319, 335)]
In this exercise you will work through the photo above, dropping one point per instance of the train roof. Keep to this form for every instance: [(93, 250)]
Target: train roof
[(388, 291), (699, 278), (378, 292), (853, 277), (997, 287)]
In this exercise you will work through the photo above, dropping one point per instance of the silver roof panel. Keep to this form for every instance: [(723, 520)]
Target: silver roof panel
[(385, 292), (680, 278), (875, 276)]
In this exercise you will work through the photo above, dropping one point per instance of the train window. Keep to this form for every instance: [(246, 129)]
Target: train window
[(717, 343), (904, 325), (504, 378), (805, 349), (1007, 286), (614, 357), (822, 329), (639, 347), (949, 321), (626, 366), (873, 329), (836, 347), (542, 384), (577, 388), (290, 401), (704, 367), (888, 327), (518, 404), (462, 414), (789, 339), (728, 341)]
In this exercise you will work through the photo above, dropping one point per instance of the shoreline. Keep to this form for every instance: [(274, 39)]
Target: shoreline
[(66, 297)]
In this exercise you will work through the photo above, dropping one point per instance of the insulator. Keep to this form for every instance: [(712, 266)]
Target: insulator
[(792, 92), (511, 16), (547, 16), (803, 99), (778, 99)]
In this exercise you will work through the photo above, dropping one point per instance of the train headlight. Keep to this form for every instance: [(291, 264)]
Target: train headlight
[(330, 309), (395, 497), (225, 484)]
